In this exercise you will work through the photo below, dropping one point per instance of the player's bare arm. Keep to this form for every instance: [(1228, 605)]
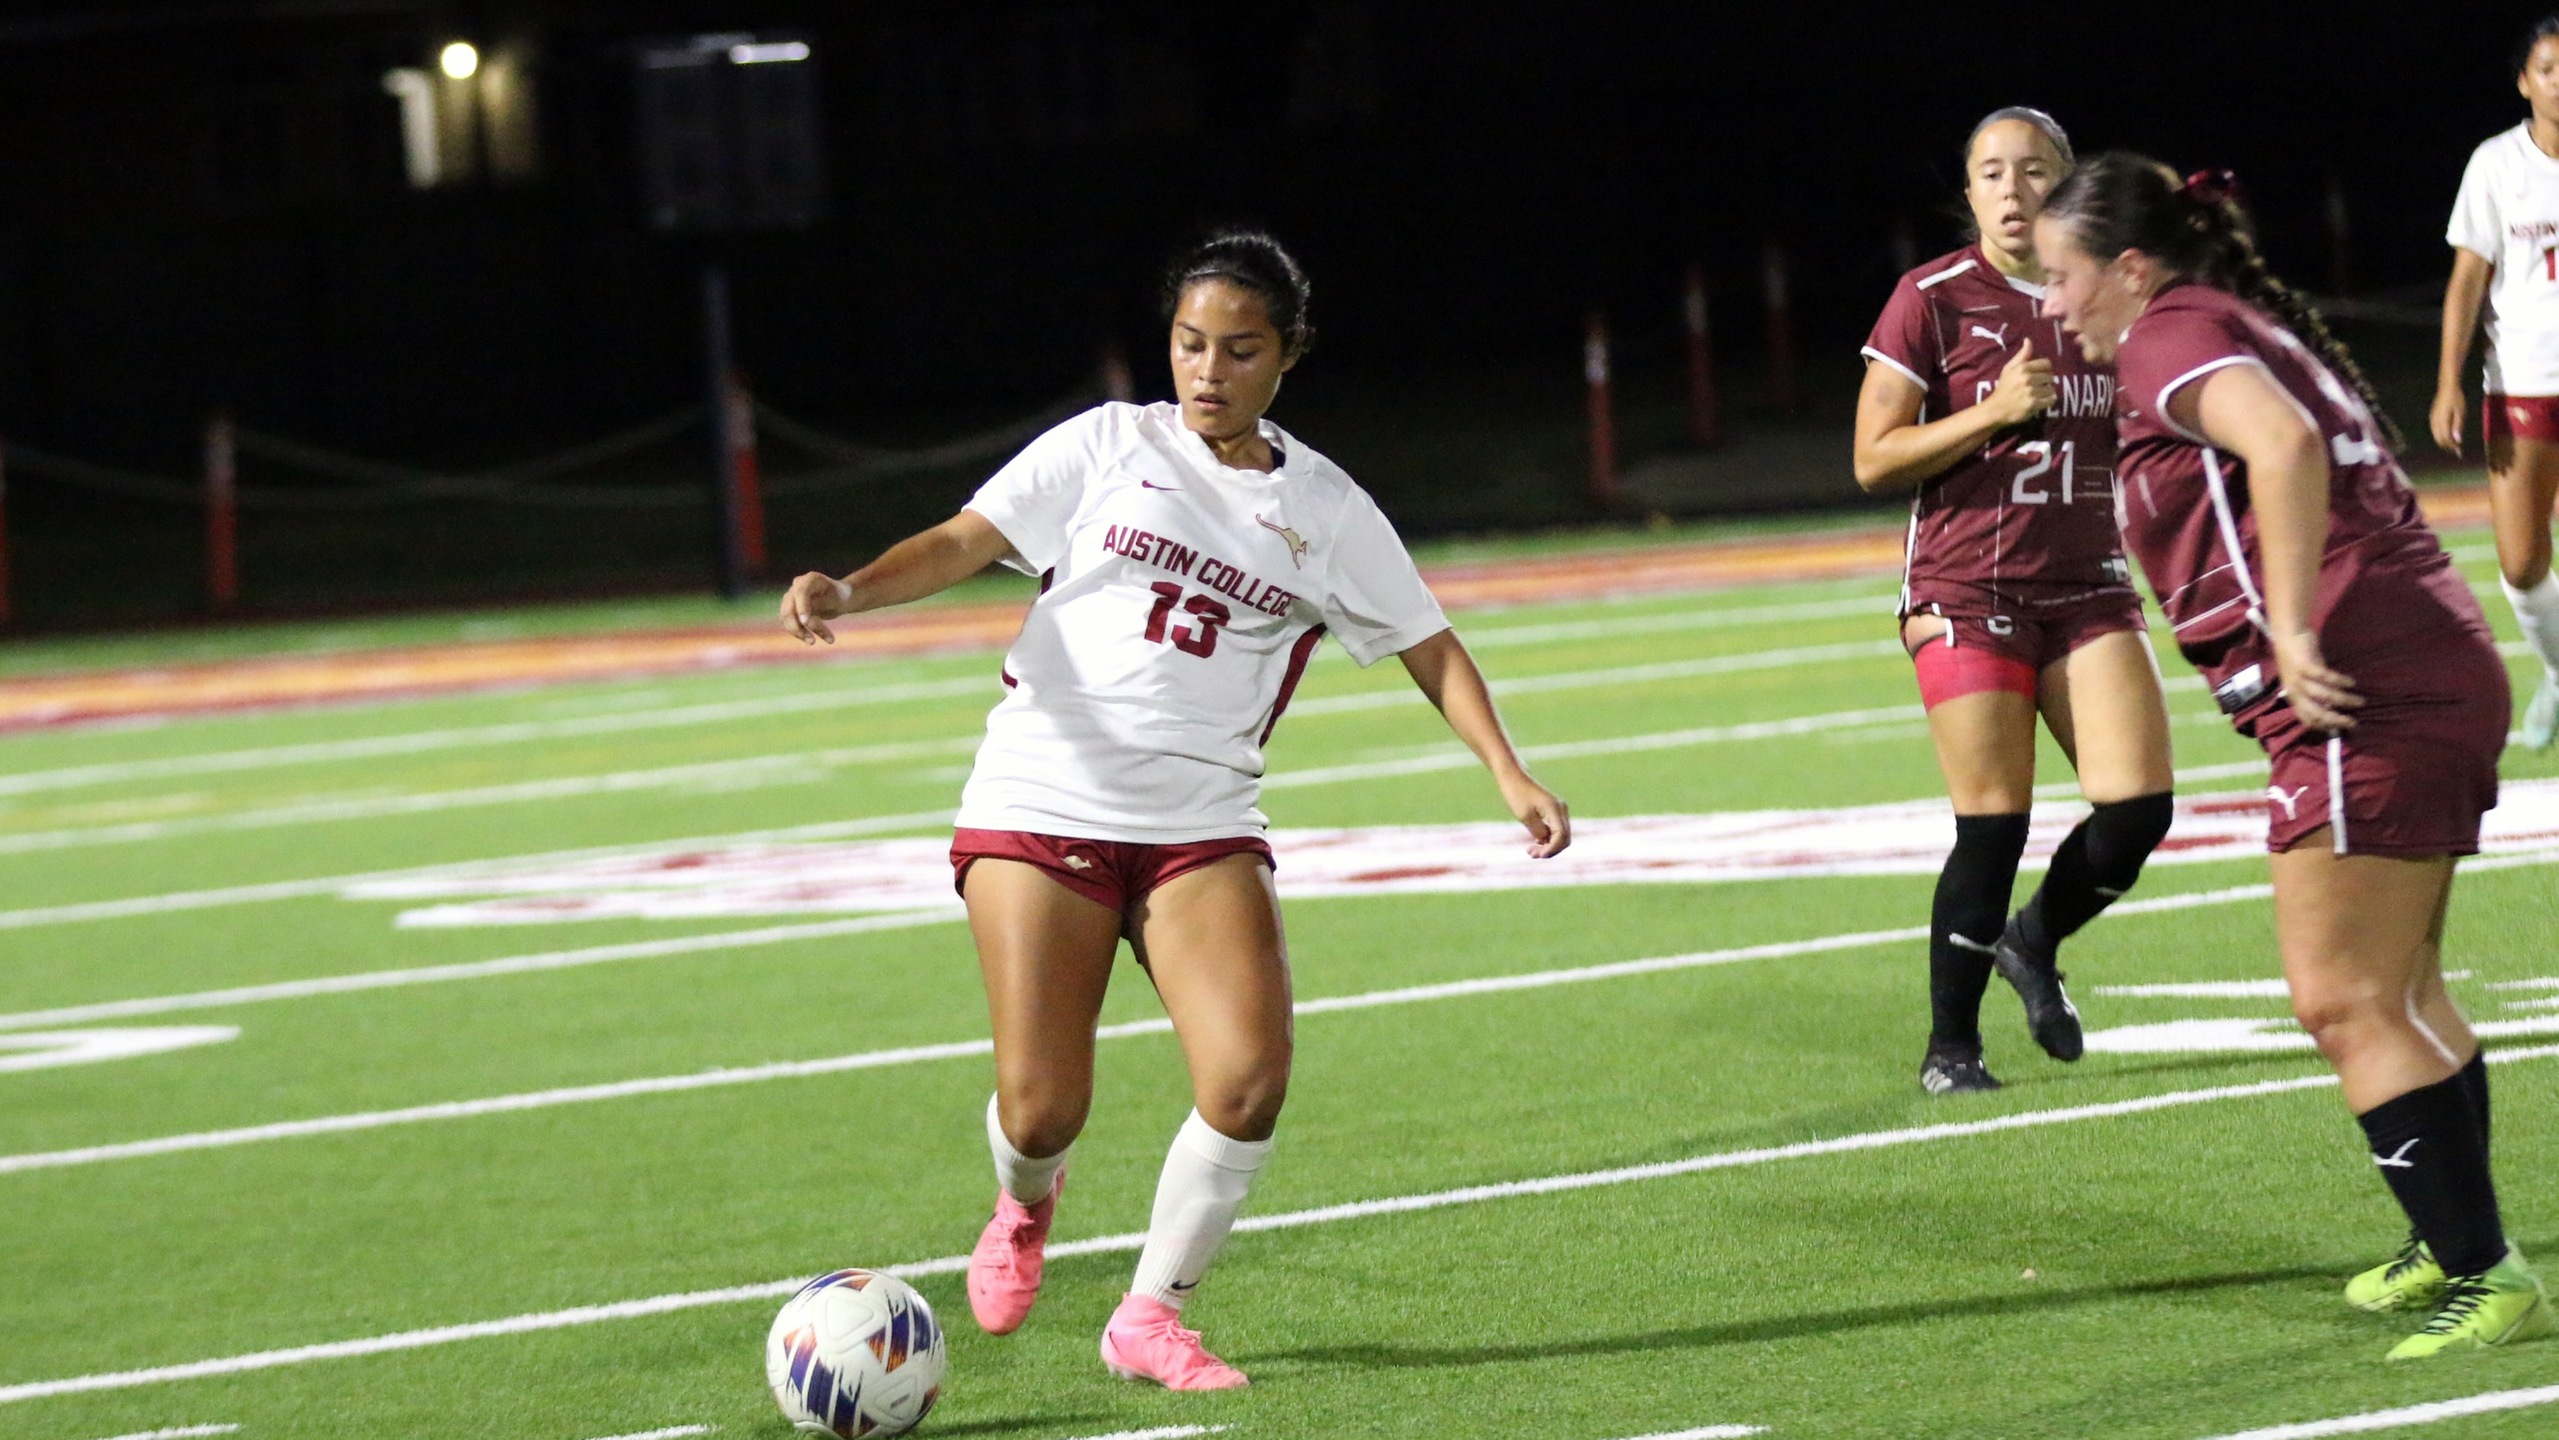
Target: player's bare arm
[(2241, 410), (1448, 677), (1895, 451), (2462, 297), (913, 568)]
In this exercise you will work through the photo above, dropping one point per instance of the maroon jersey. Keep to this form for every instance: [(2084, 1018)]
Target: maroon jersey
[(2028, 520), (2386, 587)]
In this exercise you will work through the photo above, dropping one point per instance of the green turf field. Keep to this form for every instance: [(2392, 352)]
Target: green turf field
[(2111, 1267)]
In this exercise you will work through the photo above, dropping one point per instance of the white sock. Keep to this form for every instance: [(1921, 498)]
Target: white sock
[(2537, 613), (1025, 1179), (1206, 1177)]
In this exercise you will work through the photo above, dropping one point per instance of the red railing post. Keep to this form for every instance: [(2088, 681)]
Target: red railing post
[(1705, 421), (221, 513), (1603, 419), (1781, 327), (746, 472)]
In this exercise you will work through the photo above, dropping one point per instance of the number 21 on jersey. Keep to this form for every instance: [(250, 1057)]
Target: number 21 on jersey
[(2040, 457)]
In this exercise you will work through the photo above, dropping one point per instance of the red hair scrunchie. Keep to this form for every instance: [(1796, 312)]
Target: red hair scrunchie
[(2212, 187)]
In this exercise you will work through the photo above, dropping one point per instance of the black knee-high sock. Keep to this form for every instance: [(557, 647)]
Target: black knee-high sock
[(2095, 864), (1970, 910), (2430, 1148), (2474, 1078)]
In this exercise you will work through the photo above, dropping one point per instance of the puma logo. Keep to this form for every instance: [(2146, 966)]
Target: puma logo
[(2291, 802), (1997, 337), (1078, 862), (1296, 545), (2397, 1159)]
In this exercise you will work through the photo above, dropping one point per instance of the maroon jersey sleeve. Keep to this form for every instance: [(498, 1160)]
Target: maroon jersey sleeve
[(2180, 347), (1905, 338)]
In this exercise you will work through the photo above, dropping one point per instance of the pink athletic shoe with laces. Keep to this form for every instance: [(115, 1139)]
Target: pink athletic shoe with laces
[(1145, 1341), (1004, 1269)]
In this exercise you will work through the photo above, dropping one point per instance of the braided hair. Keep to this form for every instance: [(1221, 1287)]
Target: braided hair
[(2198, 228)]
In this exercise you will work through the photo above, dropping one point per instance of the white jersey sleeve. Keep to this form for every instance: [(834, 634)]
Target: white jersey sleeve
[(2474, 226), (1374, 600), (1033, 499)]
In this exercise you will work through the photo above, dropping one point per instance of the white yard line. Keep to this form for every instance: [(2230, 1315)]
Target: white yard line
[(421, 742), (1162, 1432), (671, 1432), (472, 969), (1402, 695), (916, 1054), (1457, 757), (803, 767), (1877, 607), (2229, 771), (1868, 1141), (1707, 1432), (331, 884), (2405, 1415), (181, 1432)]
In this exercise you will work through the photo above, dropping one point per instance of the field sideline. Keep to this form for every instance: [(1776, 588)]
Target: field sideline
[(487, 1058)]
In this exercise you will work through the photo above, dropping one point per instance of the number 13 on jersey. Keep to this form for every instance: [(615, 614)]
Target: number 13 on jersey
[(1200, 641)]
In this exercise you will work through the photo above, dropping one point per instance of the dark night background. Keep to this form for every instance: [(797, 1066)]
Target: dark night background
[(205, 206)]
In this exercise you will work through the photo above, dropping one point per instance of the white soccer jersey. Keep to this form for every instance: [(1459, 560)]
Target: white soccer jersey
[(1180, 602), (2508, 214)]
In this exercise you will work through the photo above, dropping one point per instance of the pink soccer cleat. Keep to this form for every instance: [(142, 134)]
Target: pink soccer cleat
[(1004, 1269), (1145, 1341)]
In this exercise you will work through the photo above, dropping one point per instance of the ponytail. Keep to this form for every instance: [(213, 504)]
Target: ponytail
[(2199, 228)]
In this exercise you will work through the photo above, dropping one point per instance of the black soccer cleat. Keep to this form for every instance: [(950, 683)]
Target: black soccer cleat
[(2050, 1016), (1954, 1070)]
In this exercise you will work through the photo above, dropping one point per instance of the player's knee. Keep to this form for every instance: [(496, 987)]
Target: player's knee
[(1246, 1105), (2121, 835), (2343, 1016), (1042, 1122)]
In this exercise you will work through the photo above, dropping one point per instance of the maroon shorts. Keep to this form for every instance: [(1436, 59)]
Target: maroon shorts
[(2417, 771), (1114, 874), (1985, 651), (2534, 417)]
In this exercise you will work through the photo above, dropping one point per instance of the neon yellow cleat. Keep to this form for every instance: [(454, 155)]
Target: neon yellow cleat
[(2502, 1307), (2410, 1280)]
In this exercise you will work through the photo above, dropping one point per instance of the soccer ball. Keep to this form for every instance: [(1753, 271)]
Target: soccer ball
[(855, 1353)]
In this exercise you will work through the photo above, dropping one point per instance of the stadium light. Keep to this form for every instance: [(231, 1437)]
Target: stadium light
[(461, 60), (784, 52)]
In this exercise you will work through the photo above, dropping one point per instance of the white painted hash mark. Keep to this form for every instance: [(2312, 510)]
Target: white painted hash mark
[(52, 1049), (473, 969), (671, 1432), (1123, 1244), (1707, 1432), (2406, 1415), (1162, 1432), (180, 1432)]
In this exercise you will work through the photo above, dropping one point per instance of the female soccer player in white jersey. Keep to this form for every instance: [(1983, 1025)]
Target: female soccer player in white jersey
[(1191, 556), (2016, 599), (2505, 253)]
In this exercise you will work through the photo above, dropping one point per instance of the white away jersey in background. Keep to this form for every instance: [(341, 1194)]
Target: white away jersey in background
[(1180, 603), (2508, 213)]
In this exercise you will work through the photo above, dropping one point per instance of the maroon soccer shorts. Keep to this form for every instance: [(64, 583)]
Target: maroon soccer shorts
[(2534, 417), (2417, 771), (1114, 874), (1983, 651)]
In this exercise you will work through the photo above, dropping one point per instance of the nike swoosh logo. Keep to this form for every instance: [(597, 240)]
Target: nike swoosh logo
[(1151, 485)]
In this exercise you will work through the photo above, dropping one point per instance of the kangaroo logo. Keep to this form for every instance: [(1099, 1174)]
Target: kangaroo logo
[(1998, 337), (2398, 1159), (2291, 802), (1296, 544)]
